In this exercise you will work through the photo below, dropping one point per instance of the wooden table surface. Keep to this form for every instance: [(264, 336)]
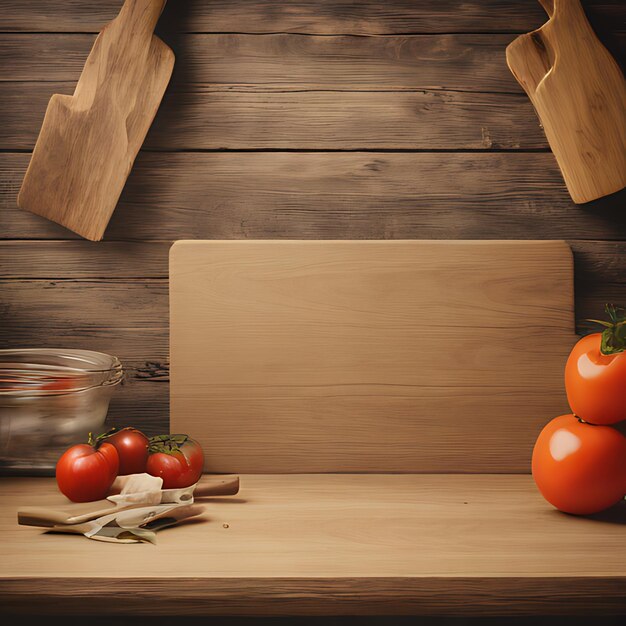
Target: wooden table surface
[(299, 119), (316, 544)]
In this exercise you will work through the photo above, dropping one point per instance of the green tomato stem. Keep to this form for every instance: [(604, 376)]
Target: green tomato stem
[(614, 333)]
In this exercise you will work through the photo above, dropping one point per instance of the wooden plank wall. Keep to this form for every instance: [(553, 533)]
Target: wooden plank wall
[(293, 119)]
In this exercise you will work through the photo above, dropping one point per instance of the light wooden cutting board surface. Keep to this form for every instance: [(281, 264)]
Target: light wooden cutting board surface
[(386, 356)]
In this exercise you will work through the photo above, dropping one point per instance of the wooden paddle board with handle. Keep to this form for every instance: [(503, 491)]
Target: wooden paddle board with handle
[(579, 93), (379, 356), (89, 141)]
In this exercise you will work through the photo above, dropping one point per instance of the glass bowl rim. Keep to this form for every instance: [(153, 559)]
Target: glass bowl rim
[(102, 364)]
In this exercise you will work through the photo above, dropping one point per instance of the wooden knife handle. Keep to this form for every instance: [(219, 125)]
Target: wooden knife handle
[(217, 486)]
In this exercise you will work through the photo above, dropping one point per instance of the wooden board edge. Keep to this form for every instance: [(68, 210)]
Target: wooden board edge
[(180, 245), (367, 595)]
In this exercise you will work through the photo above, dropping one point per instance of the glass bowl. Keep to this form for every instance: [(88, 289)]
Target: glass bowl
[(49, 400)]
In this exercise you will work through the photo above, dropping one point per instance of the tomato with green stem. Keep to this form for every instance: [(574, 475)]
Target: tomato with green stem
[(595, 372), (85, 472), (177, 459)]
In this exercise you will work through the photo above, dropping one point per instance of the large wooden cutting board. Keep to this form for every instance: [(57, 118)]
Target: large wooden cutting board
[(349, 356), (579, 93), (89, 141)]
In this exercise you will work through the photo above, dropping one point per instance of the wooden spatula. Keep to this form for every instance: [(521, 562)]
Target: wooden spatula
[(579, 93), (131, 526), (81, 513), (89, 141)]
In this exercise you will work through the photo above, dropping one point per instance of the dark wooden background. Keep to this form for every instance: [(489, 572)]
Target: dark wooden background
[(293, 119)]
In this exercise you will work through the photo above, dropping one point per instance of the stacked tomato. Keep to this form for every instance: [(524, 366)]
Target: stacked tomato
[(579, 460), (86, 471)]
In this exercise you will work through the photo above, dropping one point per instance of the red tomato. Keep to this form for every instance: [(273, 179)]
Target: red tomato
[(580, 468), (595, 382), (85, 473), (132, 448), (177, 459)]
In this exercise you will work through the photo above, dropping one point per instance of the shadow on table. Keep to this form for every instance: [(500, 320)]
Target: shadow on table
[(615, 515)]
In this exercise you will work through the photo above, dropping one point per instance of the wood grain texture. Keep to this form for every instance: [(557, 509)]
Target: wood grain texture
[(599, 262), (332, 544), (336, 356), (466, 62), (101, 127), (99, 304), (203, 117), (82, 259), (462, 62), (379, 195), (579, 93), (111, 309), (87, 313), (598, 273), (335, 196), (324, 17), (124, 318)]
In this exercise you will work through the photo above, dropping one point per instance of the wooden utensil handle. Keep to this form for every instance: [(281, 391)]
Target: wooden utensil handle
[(142, 14), (40, 516), (217, 486)]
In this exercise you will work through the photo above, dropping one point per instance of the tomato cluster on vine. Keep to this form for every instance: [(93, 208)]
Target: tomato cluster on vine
[(579, 460), (85, 472)]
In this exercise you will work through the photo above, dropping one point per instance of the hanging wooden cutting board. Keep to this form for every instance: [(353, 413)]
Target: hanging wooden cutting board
[(579, 93), (89, 141), (349, 356)]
